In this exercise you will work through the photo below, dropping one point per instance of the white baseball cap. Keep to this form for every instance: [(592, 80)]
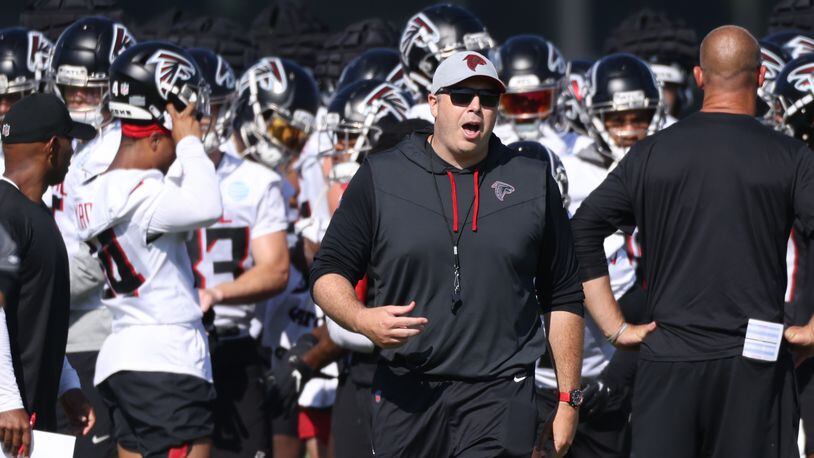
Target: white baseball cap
[(464, 65)]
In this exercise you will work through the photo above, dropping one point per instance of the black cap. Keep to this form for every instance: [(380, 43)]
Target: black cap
[(39, 117)]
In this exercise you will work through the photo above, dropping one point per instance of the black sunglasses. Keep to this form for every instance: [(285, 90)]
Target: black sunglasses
[(462, 96)]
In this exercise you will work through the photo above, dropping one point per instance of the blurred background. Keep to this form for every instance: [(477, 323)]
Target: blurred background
[(579, 27)]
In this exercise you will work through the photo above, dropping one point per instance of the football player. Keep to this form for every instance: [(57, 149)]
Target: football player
[(24, 55), (535, 75), (79, 72), (623, 105), (154, 370), (432, 35), (240, 260), (792, 90)]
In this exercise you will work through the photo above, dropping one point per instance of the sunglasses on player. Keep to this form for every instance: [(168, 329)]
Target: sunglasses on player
[(462, 96)]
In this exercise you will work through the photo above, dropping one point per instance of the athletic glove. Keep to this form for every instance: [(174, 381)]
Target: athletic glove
[(285, 381), (600, 397)]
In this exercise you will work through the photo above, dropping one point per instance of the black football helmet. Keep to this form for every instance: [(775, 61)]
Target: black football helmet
[(374, 64), (147, 76), (794, 89), (620, 82), (435, 33), (81, 59), (572, 98), (533, 70), (24, 56), (794, 43), (221, 80), (555, 166), (774, 58), (356, 118), (274, 112)]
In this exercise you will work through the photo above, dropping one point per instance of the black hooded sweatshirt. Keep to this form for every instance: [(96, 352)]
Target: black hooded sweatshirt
[(399, 220)]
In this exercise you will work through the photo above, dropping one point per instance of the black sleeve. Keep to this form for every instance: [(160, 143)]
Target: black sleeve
[(804, 192), (607, 209), (345, 249), (558, 286)]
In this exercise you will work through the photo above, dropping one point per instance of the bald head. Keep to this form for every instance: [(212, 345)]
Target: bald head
[(730, 56)]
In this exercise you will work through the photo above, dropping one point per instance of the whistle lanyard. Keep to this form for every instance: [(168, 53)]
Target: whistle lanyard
[(454, 240)]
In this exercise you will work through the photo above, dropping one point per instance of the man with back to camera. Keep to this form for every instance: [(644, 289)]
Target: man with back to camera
[(428, 221), (36, 135), (714, 197)]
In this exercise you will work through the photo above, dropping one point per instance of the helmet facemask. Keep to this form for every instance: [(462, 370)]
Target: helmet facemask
[(610, 123), (217, 126), (85, 95), (349, 144)]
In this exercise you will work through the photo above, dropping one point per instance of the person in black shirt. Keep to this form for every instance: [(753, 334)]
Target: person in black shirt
[(36, 135), (714, 197), (473, 236)]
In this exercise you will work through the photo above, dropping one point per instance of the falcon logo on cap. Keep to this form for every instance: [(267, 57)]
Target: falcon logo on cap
[(502, 189), (6, 129), (473, 60), (169, 69)]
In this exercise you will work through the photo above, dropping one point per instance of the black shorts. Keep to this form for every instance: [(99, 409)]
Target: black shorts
[(413, 416), (99, 443), (606, 435), (153, 412), (241, 424), (731, 407), (350, 421)]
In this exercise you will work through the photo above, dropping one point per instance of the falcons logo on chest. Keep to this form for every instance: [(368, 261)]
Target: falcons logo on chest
[(170, 68), (420, 31), (121, 41), (802, 78), (502, 189)]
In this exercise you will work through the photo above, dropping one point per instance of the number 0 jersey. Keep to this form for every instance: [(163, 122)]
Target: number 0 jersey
[(253, 206)]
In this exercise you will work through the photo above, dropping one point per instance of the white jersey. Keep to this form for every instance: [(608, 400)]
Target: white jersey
[(584, 175), (137, 221), (288, 316), (421, 111), (252, 207), (313, 188), (561, 143), (2, 161), (89, 159)]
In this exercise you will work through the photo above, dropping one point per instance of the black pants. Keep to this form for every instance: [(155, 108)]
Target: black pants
[(99, 443), (350, 421), (606, 435), (731, 407), (241, 424), (413, 416)]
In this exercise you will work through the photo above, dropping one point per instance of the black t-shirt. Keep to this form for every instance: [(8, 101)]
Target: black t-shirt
[(38, 303), (714, 197)]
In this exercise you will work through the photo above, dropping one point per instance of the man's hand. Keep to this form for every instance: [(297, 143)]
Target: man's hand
[(79, 411), (184, 123), (15, 431), (564, 428), (209, 297), (634, 335), (801, 339), (387, 326)]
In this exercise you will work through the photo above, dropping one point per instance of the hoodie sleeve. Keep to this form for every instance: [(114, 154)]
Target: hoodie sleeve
[(345, 249), (558, 285)]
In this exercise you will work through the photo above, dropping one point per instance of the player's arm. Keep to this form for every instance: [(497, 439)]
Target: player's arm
[(194, 201), (267, 277)]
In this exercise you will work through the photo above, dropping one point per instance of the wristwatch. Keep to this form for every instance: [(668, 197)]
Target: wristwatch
[(573, 398)]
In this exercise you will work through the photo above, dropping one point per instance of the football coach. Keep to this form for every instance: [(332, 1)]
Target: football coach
[(466, 243), (714, 197)]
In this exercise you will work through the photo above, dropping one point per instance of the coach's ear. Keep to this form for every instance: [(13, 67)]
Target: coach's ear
[(698, 74)]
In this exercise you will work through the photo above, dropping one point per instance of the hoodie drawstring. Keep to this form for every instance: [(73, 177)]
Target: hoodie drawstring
[(476, 203)]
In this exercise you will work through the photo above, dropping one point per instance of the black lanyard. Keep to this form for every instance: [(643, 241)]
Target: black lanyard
[(455, 241)]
